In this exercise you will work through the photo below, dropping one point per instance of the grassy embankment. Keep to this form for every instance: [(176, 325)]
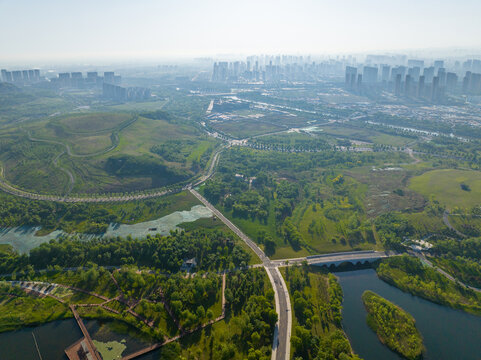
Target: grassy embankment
[(316, 299), (394, 327), (17, 309), (410, 275), (465, 270)]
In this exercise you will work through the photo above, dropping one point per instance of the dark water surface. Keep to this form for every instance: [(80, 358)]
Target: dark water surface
[(52, 339), (448, 334)]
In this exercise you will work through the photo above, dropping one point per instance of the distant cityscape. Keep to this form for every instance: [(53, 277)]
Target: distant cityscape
[(403, 77), (109, 83)]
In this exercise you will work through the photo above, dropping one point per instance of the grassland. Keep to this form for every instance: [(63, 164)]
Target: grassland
[(88, 123), (18, 309), (352, 132), (466, 224), (246, 128), (39, 156), (445, 186), (393, 326)]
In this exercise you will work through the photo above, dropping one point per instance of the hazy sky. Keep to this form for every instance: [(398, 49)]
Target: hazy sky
[(87, 29)]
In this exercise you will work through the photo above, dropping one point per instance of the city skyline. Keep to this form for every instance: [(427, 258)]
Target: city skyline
[(148, 29)]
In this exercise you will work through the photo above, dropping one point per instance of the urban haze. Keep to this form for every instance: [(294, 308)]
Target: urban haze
[(240, 180)]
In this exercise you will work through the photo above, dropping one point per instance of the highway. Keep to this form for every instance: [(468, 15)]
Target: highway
[(282, 334)]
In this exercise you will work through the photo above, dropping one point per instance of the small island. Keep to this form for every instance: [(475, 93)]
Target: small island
[(393, 326)]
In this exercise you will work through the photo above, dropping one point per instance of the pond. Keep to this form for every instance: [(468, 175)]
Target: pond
[(52, 339), (448, 333), (111, 339), (23, 238)]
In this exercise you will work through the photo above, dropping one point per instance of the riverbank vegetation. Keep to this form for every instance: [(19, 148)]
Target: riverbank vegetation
[(213, 250), (394, 327), (411, 275), (316, 299), (90, 218), (18, 309)]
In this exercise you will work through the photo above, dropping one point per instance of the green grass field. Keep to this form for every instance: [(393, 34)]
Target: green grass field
[(89, 123), (92, 139), (364, 134), (246, 128), (445, 186)]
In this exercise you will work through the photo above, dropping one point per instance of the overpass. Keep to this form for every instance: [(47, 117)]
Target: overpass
[(336, 259)]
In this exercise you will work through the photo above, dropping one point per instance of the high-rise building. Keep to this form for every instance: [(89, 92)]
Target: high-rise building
[(77, 80), (435, 94), (351, 73), (109, 77), (92, 78), (369, 74), (476, 66), (408, 85), (399, 70), (438, 64), (415, 63), (466, 81), (397, 85), (451, 81), (442, 76), (359, 82), (428, 74), (17, 76), (475, 84), (64, 79), (220, 72), (25, 76), (385, 71), (4, 75), (421, 87), (414, 72)]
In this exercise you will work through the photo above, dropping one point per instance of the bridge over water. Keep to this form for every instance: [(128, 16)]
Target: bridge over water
[(336, 259)]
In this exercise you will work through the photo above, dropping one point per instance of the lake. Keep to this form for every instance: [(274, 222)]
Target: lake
[(448, 334)]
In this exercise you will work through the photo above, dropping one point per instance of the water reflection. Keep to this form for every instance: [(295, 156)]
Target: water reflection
[(448, 334)]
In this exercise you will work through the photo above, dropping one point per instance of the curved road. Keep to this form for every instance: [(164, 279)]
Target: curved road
[(451, 227), (282, 334), (8, 188)]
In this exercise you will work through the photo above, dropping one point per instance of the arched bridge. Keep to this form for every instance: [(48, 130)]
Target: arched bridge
[(336, 259)]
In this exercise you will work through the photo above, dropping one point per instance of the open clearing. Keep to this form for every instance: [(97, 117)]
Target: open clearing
[(445, 186), (242, 129), (93, 122)]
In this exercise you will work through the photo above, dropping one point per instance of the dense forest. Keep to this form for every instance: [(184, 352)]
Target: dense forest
[(410, 275), (317, 331), (212, 251)]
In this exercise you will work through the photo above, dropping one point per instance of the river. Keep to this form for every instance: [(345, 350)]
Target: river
[(448, 334)]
